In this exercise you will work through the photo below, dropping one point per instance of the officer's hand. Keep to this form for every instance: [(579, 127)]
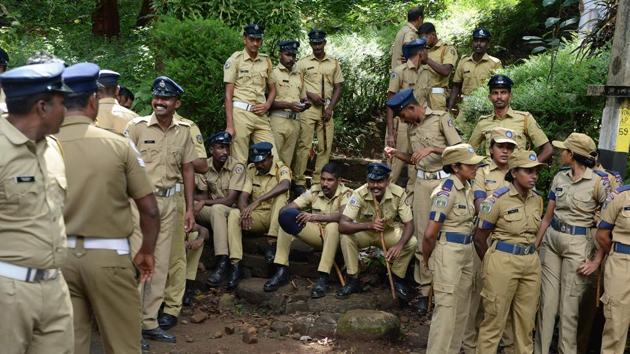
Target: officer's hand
[(303, 218), (145, 263), (424, 57), (246, 222), (420, 154), (588, 267), (260, 109), (195, 244), (305, 105), (390, 151), (328, 113), (231, 131), (189, 221), (297, 107), (197, 206), (390, 140), (378, 225), (393, 252), (316, 99)]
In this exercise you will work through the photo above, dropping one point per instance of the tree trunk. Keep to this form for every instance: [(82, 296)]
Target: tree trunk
[(146, 14), (105, 19)]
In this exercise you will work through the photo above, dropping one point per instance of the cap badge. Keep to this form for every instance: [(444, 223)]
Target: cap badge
[(508, 133), (471, 150), (162, 84), (256, 27), (532, 157)]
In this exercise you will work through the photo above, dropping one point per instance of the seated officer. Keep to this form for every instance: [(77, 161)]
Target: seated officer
[(265, 192), (360, 225), (225, 179), (318, 228)]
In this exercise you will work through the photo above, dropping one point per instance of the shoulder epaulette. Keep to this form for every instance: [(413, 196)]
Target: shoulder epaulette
[(397, 190), (251, 166), (316, 188), (447, 185), (184, 123), (494, 59), (363, 190), (138, 120), (501, 191), (623, 188), (601, 174)]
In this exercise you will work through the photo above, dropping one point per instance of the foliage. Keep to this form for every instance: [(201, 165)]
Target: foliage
[(192, 52), (603, 30)]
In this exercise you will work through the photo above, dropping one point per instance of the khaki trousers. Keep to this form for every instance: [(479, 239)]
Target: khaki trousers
[(452, 268), (176, 281), (511, 283), (263, 221), (310, 121), (398, 166), (562, 288), (616, 301), (285, 134), (311, 235), (350, 245), (103, 283), (192, 258), (217, 217), (153, 290), (249, 128), (421, 207), (36, 317)]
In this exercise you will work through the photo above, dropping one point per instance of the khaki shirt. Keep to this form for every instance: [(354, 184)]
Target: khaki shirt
[(488, 179), (452, 206), (472, 74), (523, 125), (406, 34), (3, 102), (289, 84), (435, 130), (312, 70), (104, 170), (195, 134), (317, 201), (394, 209), (577, 202), (257, 184), (444, 54), (112, 116), (616, 215), (230, 177), (511, 218), (163, 152), (250, 76), (32, 192), (407, 75), (614, 177)]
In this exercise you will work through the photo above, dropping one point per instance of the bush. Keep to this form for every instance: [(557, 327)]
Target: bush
[(193, 52)]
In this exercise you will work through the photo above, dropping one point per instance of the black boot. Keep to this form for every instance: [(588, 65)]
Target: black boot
[(158, 334), (353, 285), (188, 293), (215, 279), (235, 276), (423, 305), (320, 288), (402, 291), (270, 253), (167, 321), (280, 278)]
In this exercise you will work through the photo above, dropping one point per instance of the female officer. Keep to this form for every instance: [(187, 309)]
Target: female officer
[(616, 220), (576, 194), (447, 248), (510, 266)]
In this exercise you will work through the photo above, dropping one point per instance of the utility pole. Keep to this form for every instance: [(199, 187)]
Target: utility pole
[(614, 137)]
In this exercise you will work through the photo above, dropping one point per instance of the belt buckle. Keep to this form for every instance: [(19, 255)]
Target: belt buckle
[(563, 228), (526, 251)]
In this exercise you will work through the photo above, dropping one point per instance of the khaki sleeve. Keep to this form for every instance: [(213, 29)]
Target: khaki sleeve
[(535, 133), (450, 56), (304, 200), (302, 86), (449, 131), (248, 186), (138, 183), (409, 36), (458, 77), (270, 77), (404, 209), (197, 139), (189, 151), (285, 173), (489, 213), (610, 211), (602, 189), (476, 137), (130, 132), (230, 71), (479, 188), (354, 206), (338, 75), (441, 204), (394, 82), (237, 178)]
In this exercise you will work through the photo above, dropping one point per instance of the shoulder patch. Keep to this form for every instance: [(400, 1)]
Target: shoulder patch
[(447, 185), (393, 75), (354, 201), (440, 201), (199, 139), (238, 169), (623, 188), (486, 205), (501, 191)]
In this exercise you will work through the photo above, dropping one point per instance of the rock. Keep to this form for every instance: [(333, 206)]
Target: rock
[(229, 330), (368, 324), (251, 290), (189, 339), (226, 302), (281, 327), (217, 334), (249, 336), (305, 338), (296, 306), (198, 317), (296, 336), (324, 326), (184, 322), (303, 324)]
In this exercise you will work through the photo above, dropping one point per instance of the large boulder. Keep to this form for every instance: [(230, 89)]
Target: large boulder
[(368, 324)]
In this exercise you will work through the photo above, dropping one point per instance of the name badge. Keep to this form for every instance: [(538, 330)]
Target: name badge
[(461, 206), (310, 68), (626, 208), (285, 80), (512, 211), (149, 141), (25, 179)]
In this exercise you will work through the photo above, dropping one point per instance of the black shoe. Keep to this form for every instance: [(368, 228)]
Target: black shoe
[(145, 345), (270, 254), (320, 288), (158, 334), (216, 278), (280, 278), (423, 305), (235, 276), (353, 285), (189, 293), (402, 291), (167, 321)]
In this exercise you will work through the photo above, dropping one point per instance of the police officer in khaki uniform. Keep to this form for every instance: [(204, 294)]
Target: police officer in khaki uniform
[(318, 227), (412, 74), (474, 70), (265, 192), (323, 81), (576, 194), (429, 133), (195, 241), (36, 311), (247, 75), (225, 180), (511, 267), (111, 115), (377, 207), (4, 62), (125, 97), (289, 102), (613, 236), (168, 151), (441, 62), (406, 34), (524, 126), (488, 179), (103, 171), (448, 250)]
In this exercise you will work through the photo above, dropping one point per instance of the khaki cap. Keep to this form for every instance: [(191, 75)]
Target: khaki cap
[(579, 143), (503, 135), (460, 153), (523, 159)]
